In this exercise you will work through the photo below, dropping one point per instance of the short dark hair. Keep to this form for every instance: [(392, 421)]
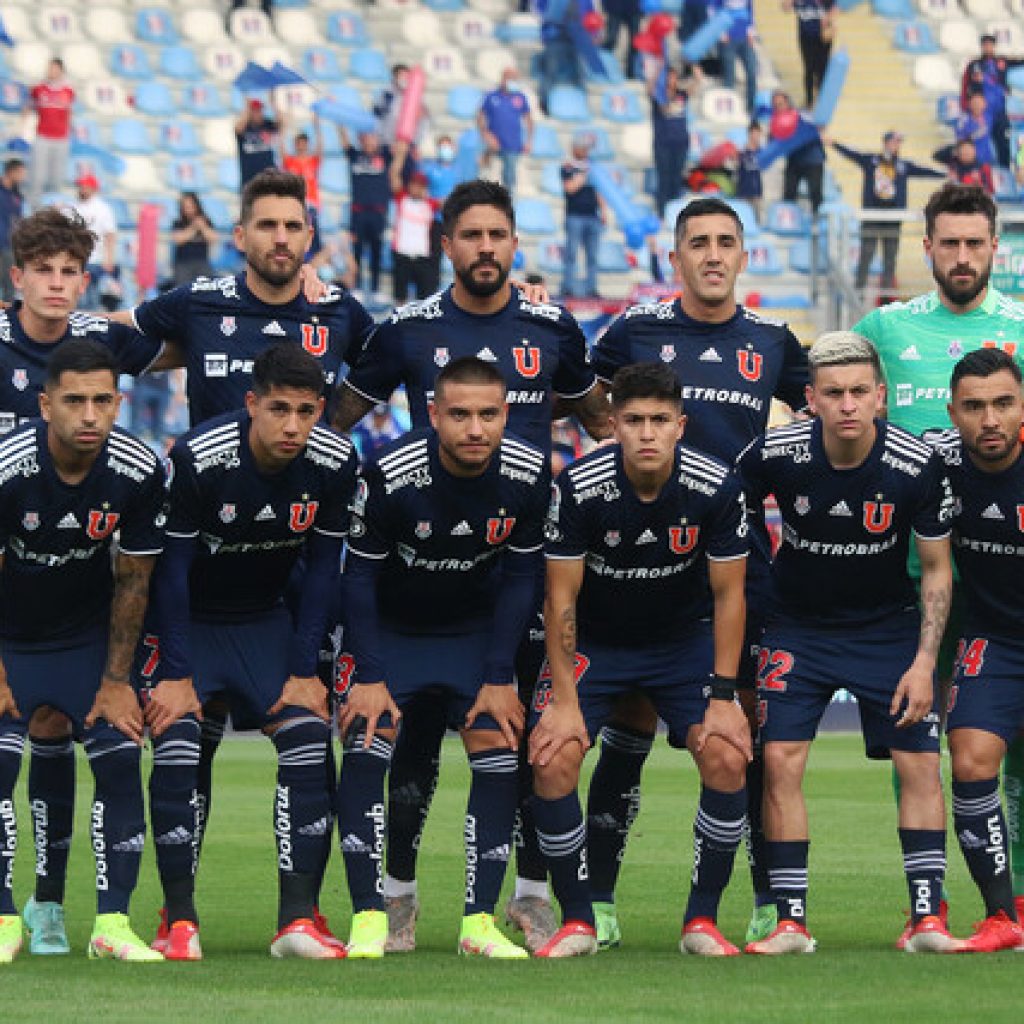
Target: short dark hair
[(80, 355), (477, 192), (960, 199), (13, 164), (50, 231), (58, 62), (646, 380), (469, 370), (286, 365), (704, 207), (272, 182), (983, 362)]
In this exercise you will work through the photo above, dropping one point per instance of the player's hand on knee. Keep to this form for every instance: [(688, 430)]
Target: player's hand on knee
[(118, 704), (916, 689), (726, 720), (502, 703), (558, 725), (170, 700), (368, 701), (306, 692)]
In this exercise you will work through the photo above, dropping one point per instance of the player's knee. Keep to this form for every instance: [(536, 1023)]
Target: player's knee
[(783, 768), (49, 724), (918, 774), (560, 776), (722, 766), (301, 745), (971, 763)]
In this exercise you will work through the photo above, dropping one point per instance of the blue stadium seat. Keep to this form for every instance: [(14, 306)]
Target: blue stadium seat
[(330, 219), (464, 101), (226, 259), (320, 64), (218, 213), (227, 174), (155, 25), (947, 108), (186, 175), (612, 69), (914, 37), (763, 259), (551, 256), (346, 28), (347, 95), (154, 99), (130, 136), (621, 106), (291, 5), (748, 219), (123, 216), (85, 130), (180, 62), (567, 103), (545, 143), (168, 205), (788, 220), (334, 176), (180, 138), (800, 257), (444, 6), (612, 257), (130, 61), (893, 8), (534, 216), (202, 100), (603, 149), (13, 97), (551, 179), (369, 66), (518, 30), (1006, 187)]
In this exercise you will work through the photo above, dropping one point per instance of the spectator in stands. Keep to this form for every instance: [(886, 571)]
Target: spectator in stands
[(104, 290), (506, 125), (559, 59), (192, 235), (749, 185), (12, 208), (738, 41), (974, 124), (815, 30), (807, 162), (411, 237), (584, 218), (442, 172), (988, 73), (388, 103), (622, 14), (670, 97), (257, 137), (964, 165), (51, 100), (884, 188), (376, 429), (305, 161), (369, 167)]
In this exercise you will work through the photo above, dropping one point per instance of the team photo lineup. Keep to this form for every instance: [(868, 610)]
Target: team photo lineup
[(149, 601)]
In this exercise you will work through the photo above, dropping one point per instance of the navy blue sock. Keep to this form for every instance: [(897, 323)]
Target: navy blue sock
[(490, 814), (787, 873), (51, 797), (757, 854), (118, 819), (361, 819), (211, 733), (173, 810), (563, 841), (12, 744), (924, 862), (613, 802), (717, 832), (981, 830), (331, 766), (302, 811)]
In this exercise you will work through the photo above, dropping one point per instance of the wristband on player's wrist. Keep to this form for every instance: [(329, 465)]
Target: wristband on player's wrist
[(721, 688)]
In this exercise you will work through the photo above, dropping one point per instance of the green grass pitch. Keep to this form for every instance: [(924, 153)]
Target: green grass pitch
[(856, 902)]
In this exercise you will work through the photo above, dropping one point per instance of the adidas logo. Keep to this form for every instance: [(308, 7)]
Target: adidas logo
[(178, 836), (69, 522), (265, 514), (500, 853), (134, 844), (970, 841), (353, 844), (910, 353), (992, 512), (709, 355), (274, 328), (315, 828), (840, 508), (646, 538), (462, 530), (487, 355)]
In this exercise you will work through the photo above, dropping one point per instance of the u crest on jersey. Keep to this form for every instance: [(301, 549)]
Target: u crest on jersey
[(1020, 518), (750, 364), (498, 530), (100, 525), (527, 360), (314, 338), (301, 515), (683, 539), (878, 516)]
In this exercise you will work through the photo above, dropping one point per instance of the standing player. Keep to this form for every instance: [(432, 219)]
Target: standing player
[(986, 703), (440, 582), (852, 490), (249, 492), (646, 539), (732, 362), (73, 604), (919, 341), (542, 356)]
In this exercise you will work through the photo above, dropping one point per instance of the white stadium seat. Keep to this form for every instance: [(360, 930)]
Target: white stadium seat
[(444, 64), (297, 28), (473, 30), (84, 61), (106, 96), (940, 10), (203, 27), (723, 106), (1009, 36), (108, 25), (30, 59), (19, 26), (637, 142), (59, 25), (140, 175), (224, 62), (219, 136), (422, 28), (934, 73), (251, 27), (490, 63), (959, 36), (985, 10)]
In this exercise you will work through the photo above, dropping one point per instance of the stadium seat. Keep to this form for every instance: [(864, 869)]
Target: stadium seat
[(320, 64), (934, 73), (13, 97), (107, 97), (800, 257), (179, 138), (939, 10), (154, 99), (621, 105), (491, 62), (334, 176), (168, 207), (228, 177), (472, 30), (180, 62), (128, 60), (107, 25), (444, 64), (223, 62), (346, 28), (545, 143), (612, 257), (534, 216), (723, 106), (959, 36), (444, 6), (551, 179), (611, 69), (463, 102), (250, 27), (515, 29), (1006, 187), (347, 95), (58, 25), (226, 259), (130, 136), (18, 24), (422, 28), (892, 8), (123, 216), (219, 136), (29, 59), (947, 108), (219, 214), (1009, 36), (296, 100), (202, 100), (567, 103), (186, 175), (985, 10), (203, 27), (369, 66), (156, 25), (637, 142), (787, 219), (745, 212), (763, 259), (86, 59), (86, 131), (914, 37), (296, 28), (1015, 8), (551, 256), (267, 56)]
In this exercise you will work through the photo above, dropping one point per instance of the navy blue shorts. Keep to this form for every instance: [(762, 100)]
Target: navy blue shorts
[(800, 668), (988, 686), (672, 676), (66, 679)]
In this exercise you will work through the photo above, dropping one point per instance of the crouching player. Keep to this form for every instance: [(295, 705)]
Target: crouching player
[(447, 532), (851, 490), (249, 492), (646, 540), (986, 704), (71, 616)]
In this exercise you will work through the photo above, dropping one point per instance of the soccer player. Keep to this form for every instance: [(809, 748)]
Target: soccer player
[(852, 490), (918, 341), (732, 362), (440, 582), (542, 356), (646, 539), (986, 702), (73, 604), (249, 492)]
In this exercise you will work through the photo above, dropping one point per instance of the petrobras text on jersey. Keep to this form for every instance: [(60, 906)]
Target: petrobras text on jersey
[(606, 489), (723, 395), (227, 286), (526, 397), (418, 478), (799, 451), (542, 309), (132, 472), (597, 565), (216, 545), (228, 458), (413, 561), (425, 309), (989, 547), (840, 549), (661, 310), (27, 466), (17, 546)]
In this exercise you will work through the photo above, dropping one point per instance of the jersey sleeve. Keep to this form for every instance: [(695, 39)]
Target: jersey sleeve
[(182, 495), (528, 533), (135, 352), (362, 327), (933, 516), (794, 376), (574, 376), (333, 517), (749, 473), (563, 531), (728, 533), (142, 528), (369, 535), (378, 371), (611, 352), (166, 316), (870, 326)]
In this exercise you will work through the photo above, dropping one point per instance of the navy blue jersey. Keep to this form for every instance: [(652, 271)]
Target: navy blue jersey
[(222, 328), (23, 361), (251, 526), (846, 532), (729, 371), (438, 537), (56, 581), (646, 578), (539, 349), (988, 538)]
